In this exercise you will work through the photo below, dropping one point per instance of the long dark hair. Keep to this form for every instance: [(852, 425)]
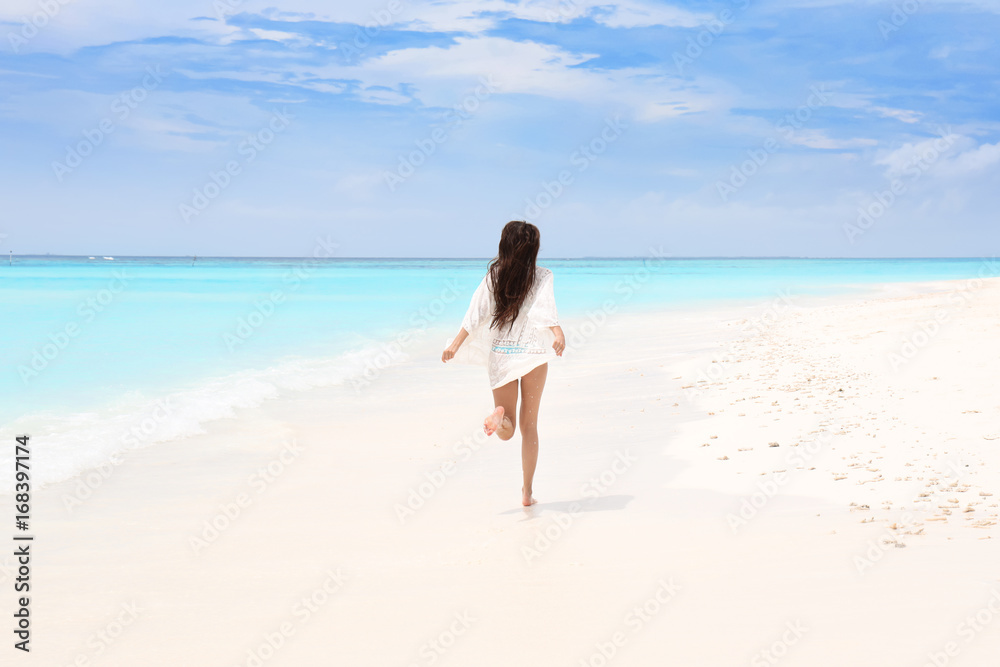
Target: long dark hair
[(512, 271)]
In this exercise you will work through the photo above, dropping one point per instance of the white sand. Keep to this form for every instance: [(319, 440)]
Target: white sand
[(632, 550)]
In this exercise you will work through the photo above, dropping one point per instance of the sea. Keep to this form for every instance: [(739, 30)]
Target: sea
[(103, 354)]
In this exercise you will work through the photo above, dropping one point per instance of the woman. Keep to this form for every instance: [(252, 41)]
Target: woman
[(512, 326)]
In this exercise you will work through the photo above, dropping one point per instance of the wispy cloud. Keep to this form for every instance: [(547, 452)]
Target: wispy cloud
[(905, 115)]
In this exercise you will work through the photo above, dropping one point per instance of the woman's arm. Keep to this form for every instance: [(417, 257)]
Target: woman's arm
[(450, 351), (475, 316), (560, 342)]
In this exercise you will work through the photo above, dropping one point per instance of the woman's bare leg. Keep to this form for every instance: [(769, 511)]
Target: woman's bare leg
[(531, 397), (504, 422)]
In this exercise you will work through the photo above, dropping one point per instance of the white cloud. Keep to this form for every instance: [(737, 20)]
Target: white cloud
[(277, 35), (982, 5), (476, 15), (442, 76), (948, 156), (975, 160), (261, 75), (517, 67), (897, 161), (681, 105), (98, 22), (866, 102), (819, 139), (904, 115), (164, 120), (381, 95), (635, 14)]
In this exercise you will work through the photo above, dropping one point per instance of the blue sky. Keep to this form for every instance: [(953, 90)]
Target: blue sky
[(404, 128)]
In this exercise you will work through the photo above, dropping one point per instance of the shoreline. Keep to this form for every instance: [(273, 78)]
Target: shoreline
[(136, 420), (287, 517)]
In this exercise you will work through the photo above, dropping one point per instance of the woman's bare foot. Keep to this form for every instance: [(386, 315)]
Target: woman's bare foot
[(493, 421), (526, 498)]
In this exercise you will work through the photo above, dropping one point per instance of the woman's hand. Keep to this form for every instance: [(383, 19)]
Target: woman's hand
[(560, 342), (449, 352)]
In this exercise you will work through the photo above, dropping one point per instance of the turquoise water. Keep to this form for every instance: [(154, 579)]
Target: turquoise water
[(87, 342)]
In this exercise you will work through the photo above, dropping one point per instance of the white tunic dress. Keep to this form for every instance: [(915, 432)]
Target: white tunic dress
[(511, 353)]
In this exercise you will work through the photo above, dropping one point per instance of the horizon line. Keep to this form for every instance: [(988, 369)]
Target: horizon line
[(585, 257)]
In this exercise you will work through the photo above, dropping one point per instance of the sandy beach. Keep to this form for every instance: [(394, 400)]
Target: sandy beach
[(800, 481)]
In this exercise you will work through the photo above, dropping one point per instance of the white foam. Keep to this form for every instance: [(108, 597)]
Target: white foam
[(64, 446)]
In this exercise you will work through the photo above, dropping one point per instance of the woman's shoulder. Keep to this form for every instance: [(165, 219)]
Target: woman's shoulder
[(541, 272)]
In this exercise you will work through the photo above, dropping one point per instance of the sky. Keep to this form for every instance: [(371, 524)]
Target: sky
[(397, 128)]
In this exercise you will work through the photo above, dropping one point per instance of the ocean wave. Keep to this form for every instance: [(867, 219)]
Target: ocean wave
[(64, 446)]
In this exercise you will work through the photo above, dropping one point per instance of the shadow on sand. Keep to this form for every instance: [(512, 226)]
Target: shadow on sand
[(599, 504)]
